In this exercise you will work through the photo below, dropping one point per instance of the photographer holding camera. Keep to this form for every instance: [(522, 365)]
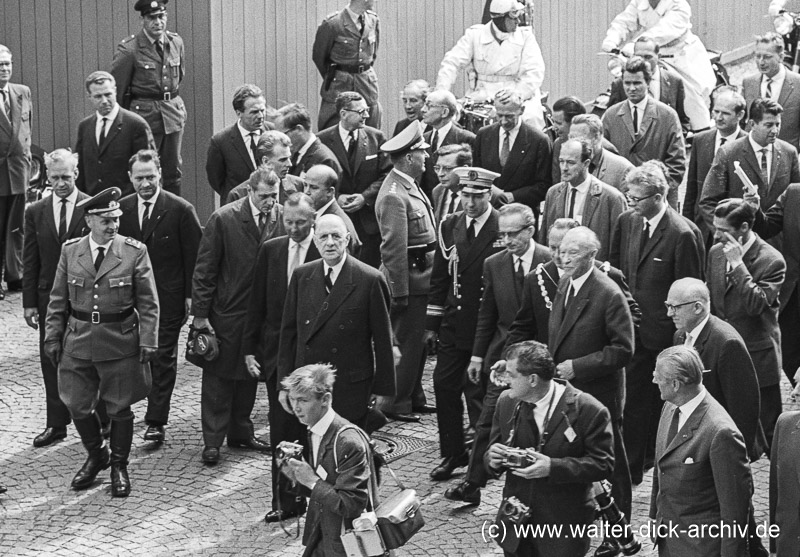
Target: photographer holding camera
[(553, 441)]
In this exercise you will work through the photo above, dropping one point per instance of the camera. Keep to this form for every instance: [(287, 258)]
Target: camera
[(517, 458), (608, 509), (287, 450), (514, 510)]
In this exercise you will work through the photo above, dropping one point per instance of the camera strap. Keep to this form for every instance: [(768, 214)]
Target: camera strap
[(512, 436)]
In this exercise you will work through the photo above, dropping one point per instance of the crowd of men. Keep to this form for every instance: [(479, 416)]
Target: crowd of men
[(565, 297)]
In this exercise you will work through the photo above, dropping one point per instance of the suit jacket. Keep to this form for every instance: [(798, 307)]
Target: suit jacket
[(701, 478), (317, 153), (789, 99), (527, 171), (289, 184), (722, 183), (440, 200), (565, 497), (222, 281), (344, 493), (595, 331), (228, 162), (700, 160), (611, 169), (606, 147), (673, 92), (172, 238), (772, 223), (267, 297), (671, 253), (456, 134), (501, 301), (601, 207), (371, 167), (42, 249), (104, 166), (659, 137), (747, 298), (348, 328), (731, 379), (784, 486), (15, 142), (354, 247)]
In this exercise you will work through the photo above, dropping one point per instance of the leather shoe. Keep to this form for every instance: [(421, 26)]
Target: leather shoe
[(154, 433), (120, 484), (278, 515), (609, 548), (49, 436), (445, 470), (424, 409), (210, 455), (410, 417), (252, 443), (2, 490), (464, 491), (98, 460)]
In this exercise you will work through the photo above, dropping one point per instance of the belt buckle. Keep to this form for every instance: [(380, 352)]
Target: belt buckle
[(95, 317), (167, 96), (362, 68)]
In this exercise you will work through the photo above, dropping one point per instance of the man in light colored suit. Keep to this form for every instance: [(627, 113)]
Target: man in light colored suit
[(643, 128), (784, 485), (702, 476), (606, 166), (773, 81), (583, 197)]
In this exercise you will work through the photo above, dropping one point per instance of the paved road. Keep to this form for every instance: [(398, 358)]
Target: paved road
[(181, 507)]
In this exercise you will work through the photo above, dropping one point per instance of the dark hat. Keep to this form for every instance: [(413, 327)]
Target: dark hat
[(409, 139), (148, 7), (103, 204), (474, 179)]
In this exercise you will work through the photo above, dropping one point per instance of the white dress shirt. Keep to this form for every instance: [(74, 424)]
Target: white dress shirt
[(688, 407), (140, 205), (512, 137), (109, 120), (94, 245), (336, 268), (248, 141), (441, 133), (303, 247), (580, 199), (575, 285), (345, 135), (655, 84), (655, 220), (777, 84), (318, 432), (71, 200), (304, 149), (641, 106), (757, 150), (692, 335), (527, 258), (728, 138), (543, 405), (479, 220)]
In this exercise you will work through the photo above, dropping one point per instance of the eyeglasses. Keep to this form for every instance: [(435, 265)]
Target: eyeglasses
[(512, 233), (439, 168), (673, 307), (629, 197), (431, 105), (364, 112)]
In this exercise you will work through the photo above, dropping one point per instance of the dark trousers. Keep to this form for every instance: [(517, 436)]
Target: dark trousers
[(12, 214), (642, 410), (621, 487), (169, 151), (790, 336), (164, 368), (476, 473), (283, 427), (771, 408), (225, 408), (370, 247), (449, 383), (408, 326), (57, 413)]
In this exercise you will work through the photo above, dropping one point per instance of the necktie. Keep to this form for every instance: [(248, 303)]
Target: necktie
[(262, 222), (102, 132), (769, 88), (673, 426), (253, 143), (329, 280), (688, 340), (146, 216), (636, 119), (645, 237), (99, 259), (6, 103), (573, 194), (351, 149), (294, 261), (160, 49), (505, 150), (62, 221), (722, 141), (361, 24), (570, 294), (453, 203), (764, 167), (471, 231), (520, 274), (434, 141)]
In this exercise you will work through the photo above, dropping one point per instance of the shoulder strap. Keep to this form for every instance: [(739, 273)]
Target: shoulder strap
[(371, 483)]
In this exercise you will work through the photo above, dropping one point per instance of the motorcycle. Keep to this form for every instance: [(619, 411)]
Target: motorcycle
[(474, 115), (787, 24)]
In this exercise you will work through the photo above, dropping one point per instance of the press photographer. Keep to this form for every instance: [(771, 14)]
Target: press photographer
[(553, 441)]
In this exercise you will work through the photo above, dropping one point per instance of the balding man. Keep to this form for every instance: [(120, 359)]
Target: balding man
[(607, 166), (321, 185), (412, 98)]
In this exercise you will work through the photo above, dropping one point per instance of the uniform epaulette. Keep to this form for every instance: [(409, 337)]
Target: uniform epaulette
[(127, 39), (393, 188), (134, 243), (172, 34), (72, 241), (373, 12), (331, 15)]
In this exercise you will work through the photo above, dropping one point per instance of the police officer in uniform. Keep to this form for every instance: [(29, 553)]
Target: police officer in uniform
[(344, 52), (101, 332), (405, 218), (149, 67)]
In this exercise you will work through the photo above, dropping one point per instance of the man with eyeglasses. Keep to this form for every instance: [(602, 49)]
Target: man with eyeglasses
[(653, 246), (364, 166), (439, 113)]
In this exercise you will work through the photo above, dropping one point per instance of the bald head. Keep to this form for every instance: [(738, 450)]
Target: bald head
[(321, 183), (688, 303)]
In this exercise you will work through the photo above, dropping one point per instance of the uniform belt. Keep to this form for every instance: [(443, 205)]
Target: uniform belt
[(356, 68), (493, 78), (97, 317), (423, 248), (676, 42), (160, 97)]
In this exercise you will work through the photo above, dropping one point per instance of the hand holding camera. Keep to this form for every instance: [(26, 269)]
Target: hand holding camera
[(527, 463)]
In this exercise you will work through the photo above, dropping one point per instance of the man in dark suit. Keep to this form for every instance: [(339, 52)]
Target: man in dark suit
[(728, 111), (784, 487), (364, 166), (773, 81), (231, 156), (702, 476), (606, 166), (582, 196), (15, 166), (445, 198), (276, 261), (307, 150), (439, 114), (770, 163), (643, 128), (564, 110), (338, 476), (557, 485), (45, 232), (466, 239), (321, 184), (745, 276), (653, 246), (518, 152), (337, 311), (503, 275), (108, 138), (169, 227), (413, 99), (221, 287)]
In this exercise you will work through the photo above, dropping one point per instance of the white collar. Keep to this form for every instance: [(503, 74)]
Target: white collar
[(480, 220), (111, 115), (577, 283), (305, 242), (749, 244), (514, 130), (583, 187), (526, 257), (344, 134), (337, 269), (657, 219), (778, 77), (321, 427), (152, 201), (756, 147), (301, 153), (696, 331), (94, 245), (641, 105), (441, 133), (688, 407), (321, 210), (246, 134), (71, 198), (253, 210), (730, 137)]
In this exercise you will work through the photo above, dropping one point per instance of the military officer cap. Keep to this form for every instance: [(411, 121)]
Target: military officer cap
[(410, 139), (504, 6), (474, 179), (151, 7), (103, 204)]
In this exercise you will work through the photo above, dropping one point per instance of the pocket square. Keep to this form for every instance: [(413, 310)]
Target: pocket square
[(656, 259), (689, 460), (370, 157)]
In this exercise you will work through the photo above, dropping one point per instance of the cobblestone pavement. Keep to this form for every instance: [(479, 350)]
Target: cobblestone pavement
[(181, 507)]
